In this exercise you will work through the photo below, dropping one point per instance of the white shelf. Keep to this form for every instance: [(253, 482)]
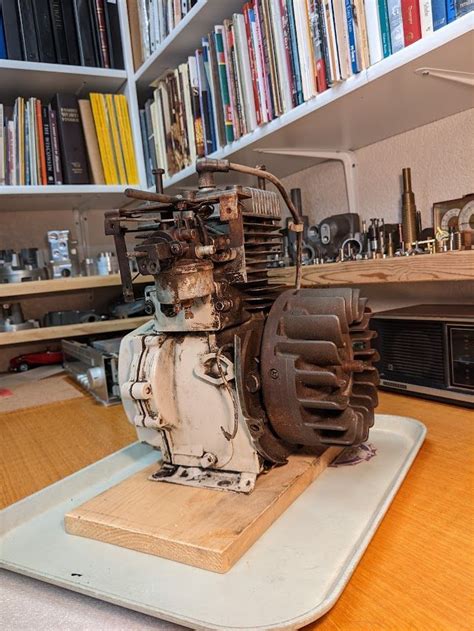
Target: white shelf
[(83, 197), (184, 39), (25, 78), (383, 101)]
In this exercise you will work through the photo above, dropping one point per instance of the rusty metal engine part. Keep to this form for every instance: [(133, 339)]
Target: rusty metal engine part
[(234, 372)]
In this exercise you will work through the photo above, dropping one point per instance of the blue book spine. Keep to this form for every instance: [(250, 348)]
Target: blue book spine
[(463, 7), (438, 8), (295, 62), (351, 37), (385, 28), (3, 46), (450, 10)]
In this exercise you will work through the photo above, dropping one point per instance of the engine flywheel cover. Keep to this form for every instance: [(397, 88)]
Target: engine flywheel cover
[(319, 384)]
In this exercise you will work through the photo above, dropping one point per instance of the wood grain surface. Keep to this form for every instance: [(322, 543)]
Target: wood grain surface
[(452, 266), (418, 571), (206, 528)]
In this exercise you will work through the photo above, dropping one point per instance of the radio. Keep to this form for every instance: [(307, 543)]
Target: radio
[(427, 351)]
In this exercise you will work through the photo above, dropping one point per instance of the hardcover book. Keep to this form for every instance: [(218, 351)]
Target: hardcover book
[(71, 139), (28, 31), (411, 21), (44, 31), (58, 32), (396, 24), (69, 23), (463, 7), (84, 31), (438, 8), (426, 17), (385, 27), (11, 26)]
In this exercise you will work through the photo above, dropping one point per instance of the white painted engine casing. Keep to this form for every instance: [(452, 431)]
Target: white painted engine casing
[(175, 406)]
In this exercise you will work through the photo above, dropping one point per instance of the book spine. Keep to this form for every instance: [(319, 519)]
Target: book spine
[(114, 37), (224, 87), (396, 24), (256, 47), (150, 138), (11, 25), (272, 64), (47, 146), (342, 37), (92, 146), (450, 10), (238, 111), (12, 158), (211, 96), (59, 36), (102, 33), (44, 31), (351, 37), (463, 7), (324, 40), (438, 8), (71, 140), (245, 73), (3, 44), (373, 32), (204, 104), (253, 69), (53, 125), (28, 31), (188, 106), (146, 149), (196, 107), (43, 175), (216, 94), (263, 44), (294, 52), (411, 21), (127, 138), (84, 30), (385, 27), (361, 34), (285, 27), (2, 147), (70, 34)]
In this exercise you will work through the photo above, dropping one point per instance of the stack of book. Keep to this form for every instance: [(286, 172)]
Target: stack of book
[(152, 21), (68, 141), (77, 32), (270, 58)]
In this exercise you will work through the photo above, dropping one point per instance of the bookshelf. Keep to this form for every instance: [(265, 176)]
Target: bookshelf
[(71, 330), (61, 197)]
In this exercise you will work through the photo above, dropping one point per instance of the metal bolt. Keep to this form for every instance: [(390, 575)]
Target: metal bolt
[(274, 374), (175, 248), (149, 307)]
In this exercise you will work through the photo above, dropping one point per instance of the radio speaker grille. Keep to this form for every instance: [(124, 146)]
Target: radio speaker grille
[(411, 351)]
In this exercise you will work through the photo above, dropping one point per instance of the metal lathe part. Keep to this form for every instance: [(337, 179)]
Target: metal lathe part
[(409, 217)]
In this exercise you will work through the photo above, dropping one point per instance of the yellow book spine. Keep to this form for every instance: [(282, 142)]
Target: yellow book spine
[(132, 170), (117, 149), (105, 149), (121, 129)]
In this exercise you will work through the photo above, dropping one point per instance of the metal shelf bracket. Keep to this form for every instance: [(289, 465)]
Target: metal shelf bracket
[(466, 78), (349, 162)]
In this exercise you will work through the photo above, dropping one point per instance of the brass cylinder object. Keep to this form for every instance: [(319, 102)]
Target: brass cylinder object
[(409, 217)]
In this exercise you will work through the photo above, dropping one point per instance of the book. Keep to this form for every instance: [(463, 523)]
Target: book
[(3, 48), (69, 23), (188, 111), (114, 34), (126, 138), (265, 56), (224, 86), (28, 31), (92, 145), (396, 24), (411, 21), (360, 29), (84, 30), (385, 27), (374, 35), (270, 58), (426, 17), (463, 7), (351, 38), (342, 38), (294, 53), (247, 9), (450, 10), (58, 35), (44, 31), (207, 121), (146, 149), (53, 126), (11, 26), (259, 66), (244, 72), (331, 39), (150, 138), (228, 42), (196, 107), (103, 42), (438, 8), (48, 150), (282, 69), (216, 94), (2, 147), (71, 139), (42, 171)]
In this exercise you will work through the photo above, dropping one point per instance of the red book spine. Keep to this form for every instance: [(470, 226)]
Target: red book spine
[(411, 21), (40, 139), (253, 69), (104, 46)]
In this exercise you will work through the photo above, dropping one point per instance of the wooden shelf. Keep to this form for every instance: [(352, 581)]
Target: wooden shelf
[(26, 78), (60, 285), (70, 330), (62, 197), (387, 99), (184, 39), (449, 266)]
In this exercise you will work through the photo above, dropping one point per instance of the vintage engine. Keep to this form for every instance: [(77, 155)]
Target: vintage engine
[(234, 373)]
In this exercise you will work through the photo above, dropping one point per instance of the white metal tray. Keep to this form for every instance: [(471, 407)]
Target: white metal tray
[(293, 574)]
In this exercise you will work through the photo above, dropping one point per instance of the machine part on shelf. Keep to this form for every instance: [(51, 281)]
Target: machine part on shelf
[(409, 216), (333, 231), (94, 367), (60, 265), (89, 267), (61, 318), (454, 213), (106, 264), (197, 381), (130, 309), (12, 319), (20, 266)]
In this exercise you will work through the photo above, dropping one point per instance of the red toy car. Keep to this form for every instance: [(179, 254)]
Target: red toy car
[(32, 360)]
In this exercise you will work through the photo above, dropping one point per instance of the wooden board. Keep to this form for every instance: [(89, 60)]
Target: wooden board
[(206, 528), (449, 266), (71, 330)]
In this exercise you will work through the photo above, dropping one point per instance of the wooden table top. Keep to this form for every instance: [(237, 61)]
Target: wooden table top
[(418, 571)]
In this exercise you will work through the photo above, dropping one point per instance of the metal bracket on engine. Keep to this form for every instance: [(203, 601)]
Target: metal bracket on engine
[(211, 479)]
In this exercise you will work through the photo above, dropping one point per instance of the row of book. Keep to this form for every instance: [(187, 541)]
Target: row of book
[(68, 141), (76, 32), (153, 21), (270, 58)]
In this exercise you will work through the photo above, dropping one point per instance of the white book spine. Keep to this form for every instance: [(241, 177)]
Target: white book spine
[(282, 66), (11, 153), (259, 67), (245, 74), (374, 36), (329, 27), (426, 17), (189, 112), (304, 51), (342, 38)]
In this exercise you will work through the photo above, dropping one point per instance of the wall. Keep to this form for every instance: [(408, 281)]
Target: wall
[(441, 156)]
